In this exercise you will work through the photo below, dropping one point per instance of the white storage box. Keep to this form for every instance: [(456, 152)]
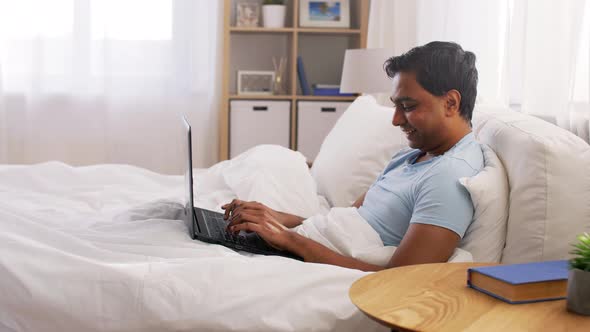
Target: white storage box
[(314, 121), (254, 122)]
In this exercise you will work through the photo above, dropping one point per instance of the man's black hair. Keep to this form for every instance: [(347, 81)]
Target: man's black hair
[(440, 67)]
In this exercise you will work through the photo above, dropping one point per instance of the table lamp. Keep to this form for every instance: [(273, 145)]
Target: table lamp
[(363, 71)]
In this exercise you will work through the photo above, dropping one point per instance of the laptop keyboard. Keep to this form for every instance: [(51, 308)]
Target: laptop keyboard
[(217, 224)]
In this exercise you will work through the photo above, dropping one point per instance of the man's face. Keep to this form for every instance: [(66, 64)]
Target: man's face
[(418, 113)]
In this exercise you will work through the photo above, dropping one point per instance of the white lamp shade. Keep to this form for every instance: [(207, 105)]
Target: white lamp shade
[(363, 71)]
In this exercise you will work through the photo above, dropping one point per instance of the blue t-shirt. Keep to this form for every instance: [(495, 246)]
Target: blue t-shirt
[(427, 192)]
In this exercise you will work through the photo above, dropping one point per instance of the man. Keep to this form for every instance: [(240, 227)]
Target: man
[(417, 203)]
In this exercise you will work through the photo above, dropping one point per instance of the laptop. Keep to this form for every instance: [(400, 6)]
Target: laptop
[(209, 226)]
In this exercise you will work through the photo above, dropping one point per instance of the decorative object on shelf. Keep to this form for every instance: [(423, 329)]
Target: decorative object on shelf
[(255, 82), (302, 78), (578, 287), (279, 87), (363, 72), (247, 14), (273, 13), (325, 14)]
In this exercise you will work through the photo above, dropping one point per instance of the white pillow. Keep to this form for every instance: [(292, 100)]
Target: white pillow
[(355, 151), (486, 236), (547, 169)]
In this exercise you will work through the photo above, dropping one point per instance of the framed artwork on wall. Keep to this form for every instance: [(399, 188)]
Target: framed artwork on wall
[(325, 14), (247, 14)]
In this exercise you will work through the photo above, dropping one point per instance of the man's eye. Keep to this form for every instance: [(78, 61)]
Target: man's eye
[(408, 108)]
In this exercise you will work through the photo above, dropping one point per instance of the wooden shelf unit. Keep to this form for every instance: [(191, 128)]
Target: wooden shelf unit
[(356, 38)]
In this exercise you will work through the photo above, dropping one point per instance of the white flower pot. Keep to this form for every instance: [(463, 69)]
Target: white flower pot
[(578, 292), (273, 16)]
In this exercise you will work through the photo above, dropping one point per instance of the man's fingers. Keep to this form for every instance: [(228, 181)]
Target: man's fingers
[(244, 216), (264, 233), (248, 227), (230, 207)]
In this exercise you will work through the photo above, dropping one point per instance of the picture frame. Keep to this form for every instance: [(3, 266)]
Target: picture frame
[(255, 82), (324, 13), (247, 14)]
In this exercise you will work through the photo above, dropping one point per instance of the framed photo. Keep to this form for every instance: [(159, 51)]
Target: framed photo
[(247, 14), (255, 82), (326, 14)]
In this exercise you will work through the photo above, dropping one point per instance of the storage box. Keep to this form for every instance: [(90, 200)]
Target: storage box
[(314, 121), (255, 122)]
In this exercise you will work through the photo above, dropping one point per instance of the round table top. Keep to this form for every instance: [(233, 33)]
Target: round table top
[(435, 297)]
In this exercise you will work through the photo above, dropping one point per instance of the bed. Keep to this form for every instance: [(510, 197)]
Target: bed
[(102, 248)]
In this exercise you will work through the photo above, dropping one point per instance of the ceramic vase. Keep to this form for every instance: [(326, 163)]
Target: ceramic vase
[(273, 16)]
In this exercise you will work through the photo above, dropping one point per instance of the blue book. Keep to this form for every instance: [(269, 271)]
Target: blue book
[(329, 92), (302, 79), (521, 283)]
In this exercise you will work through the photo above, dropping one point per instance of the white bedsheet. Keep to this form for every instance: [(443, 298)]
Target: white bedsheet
[(98, 248)]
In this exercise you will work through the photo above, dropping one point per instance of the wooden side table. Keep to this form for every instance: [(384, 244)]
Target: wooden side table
[(435, 297)]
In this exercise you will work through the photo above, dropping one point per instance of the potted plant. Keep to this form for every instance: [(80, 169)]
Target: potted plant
[(273, 13), (578, 285)]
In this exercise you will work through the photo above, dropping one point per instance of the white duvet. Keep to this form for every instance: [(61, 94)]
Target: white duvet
[(100, 248)]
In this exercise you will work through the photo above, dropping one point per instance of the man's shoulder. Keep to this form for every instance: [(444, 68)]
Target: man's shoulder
[(467, 162), (401, 156), (469, 158)]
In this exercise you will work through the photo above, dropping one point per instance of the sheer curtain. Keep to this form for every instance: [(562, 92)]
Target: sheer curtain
[(531, 55), (105, 81)]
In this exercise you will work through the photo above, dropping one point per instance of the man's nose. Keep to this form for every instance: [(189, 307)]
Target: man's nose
[(399, 117)]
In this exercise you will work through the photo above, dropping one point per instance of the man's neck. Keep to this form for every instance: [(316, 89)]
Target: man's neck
[(449, 144)]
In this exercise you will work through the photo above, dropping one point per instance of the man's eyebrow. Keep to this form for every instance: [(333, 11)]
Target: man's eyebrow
[(401, 100)]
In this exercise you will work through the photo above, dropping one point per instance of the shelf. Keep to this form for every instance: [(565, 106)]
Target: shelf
[(274, 97), (253, 48), (320, 98), (291, 97), (260, 30), (329, 31), (320, 31)]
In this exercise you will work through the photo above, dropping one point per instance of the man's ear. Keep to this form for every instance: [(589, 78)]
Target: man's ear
[(453, 101)]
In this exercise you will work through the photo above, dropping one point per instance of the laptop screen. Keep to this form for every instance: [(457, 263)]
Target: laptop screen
[(188, 178)]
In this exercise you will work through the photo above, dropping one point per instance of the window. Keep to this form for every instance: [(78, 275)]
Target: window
[(131, 19)]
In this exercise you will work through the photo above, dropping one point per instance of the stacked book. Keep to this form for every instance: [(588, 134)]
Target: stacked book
[(521, 283), (328, 90), (318, 89)]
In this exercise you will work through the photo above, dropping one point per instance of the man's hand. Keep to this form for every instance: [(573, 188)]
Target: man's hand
[(256, 217), (237, 206)]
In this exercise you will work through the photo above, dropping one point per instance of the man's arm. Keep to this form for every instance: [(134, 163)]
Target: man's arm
[(421, 244), (357, 204), (314, 252), (290, 220)]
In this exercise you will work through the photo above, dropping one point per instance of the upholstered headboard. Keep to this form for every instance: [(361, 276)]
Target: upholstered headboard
[(547, 169)]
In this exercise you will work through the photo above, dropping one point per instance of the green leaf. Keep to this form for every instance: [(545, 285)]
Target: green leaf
[(581, 252)]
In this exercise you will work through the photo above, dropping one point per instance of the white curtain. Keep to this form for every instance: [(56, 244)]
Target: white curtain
[(105, 81), (532, 55)]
